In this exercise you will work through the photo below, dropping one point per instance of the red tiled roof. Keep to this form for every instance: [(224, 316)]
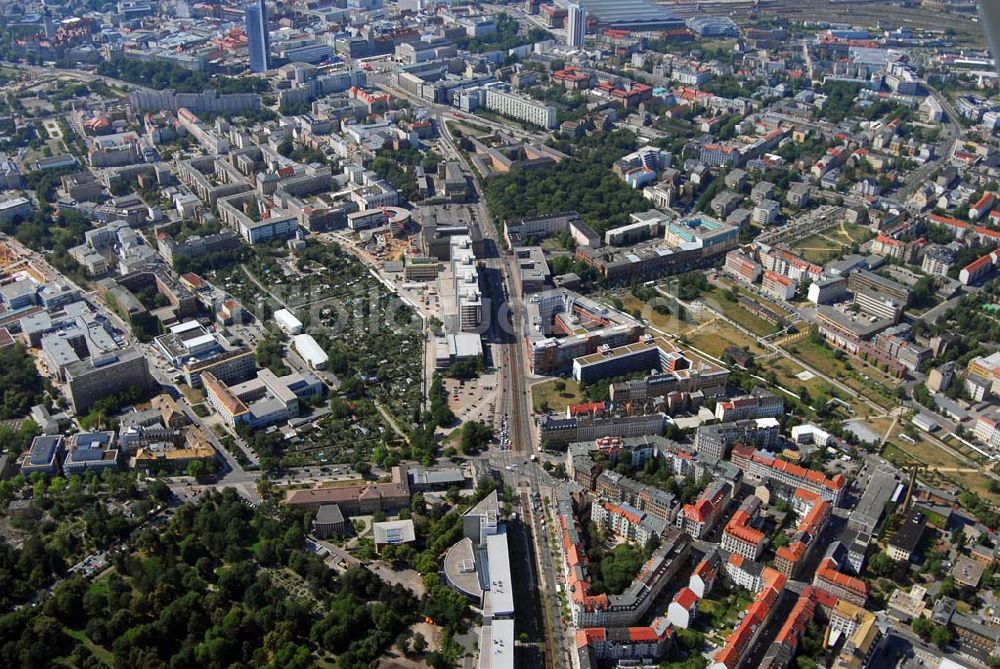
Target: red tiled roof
[(947, 220), (827, 572), (686, 598), (979, 263), (589, 635), (587, 407)]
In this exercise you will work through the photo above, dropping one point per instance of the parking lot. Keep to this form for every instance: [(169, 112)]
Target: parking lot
[(473, 399)]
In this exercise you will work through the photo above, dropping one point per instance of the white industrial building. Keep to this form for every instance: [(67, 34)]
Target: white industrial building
[(288, 322), (310, 351)]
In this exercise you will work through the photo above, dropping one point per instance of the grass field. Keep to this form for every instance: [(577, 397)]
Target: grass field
[(192, 395), (546, 392), (714, 337), (733, 311), (787, 372), (827, 244), (852, 372), (817, 249), (947, 473), (923, 451), (468, 129), (665, 322), (101, 653)]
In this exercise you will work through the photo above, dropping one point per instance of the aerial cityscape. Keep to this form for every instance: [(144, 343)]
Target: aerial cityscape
[(556, 334)]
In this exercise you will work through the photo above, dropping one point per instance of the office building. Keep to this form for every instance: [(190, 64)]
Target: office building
[(258, 37), (43, 456), (741, 264), (263, 401), (576, 26), (114, 373), (565, 325), (689, 373), (91, 451), (827, 290), (864, 280), (905, 542)]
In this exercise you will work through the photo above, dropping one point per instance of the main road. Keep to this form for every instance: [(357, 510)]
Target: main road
[(506, 336)]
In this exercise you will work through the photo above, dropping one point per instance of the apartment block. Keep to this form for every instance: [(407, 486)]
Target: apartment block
[(761, 467), (520, 107), (742, 264), (713, 442), (740, 536), (699, 518), (760, 403)]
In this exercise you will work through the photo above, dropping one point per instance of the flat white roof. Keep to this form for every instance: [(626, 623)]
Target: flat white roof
[(287, 317), (496, 645), (184, 327), (466, 344), (309, 349), (500, 585), (200, 340)]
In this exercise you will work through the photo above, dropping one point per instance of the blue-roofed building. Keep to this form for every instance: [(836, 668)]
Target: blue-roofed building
[(709, 232), (43, 456), (91, 451)]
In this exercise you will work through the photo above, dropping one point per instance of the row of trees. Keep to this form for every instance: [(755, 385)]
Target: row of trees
[(160, 75)]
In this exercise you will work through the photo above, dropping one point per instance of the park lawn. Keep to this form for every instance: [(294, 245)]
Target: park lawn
[(850, 371), (557, 401), (55, 146), (975, 483), (786, 371), (733, 311), (469, 129), (857, 233), (924, 451), (100, 652), (192, 395), (817, 249), (714, 338), (665, 322)]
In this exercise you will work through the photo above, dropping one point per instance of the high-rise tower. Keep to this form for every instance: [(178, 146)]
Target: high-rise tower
[(576, 25), (258, 37)]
